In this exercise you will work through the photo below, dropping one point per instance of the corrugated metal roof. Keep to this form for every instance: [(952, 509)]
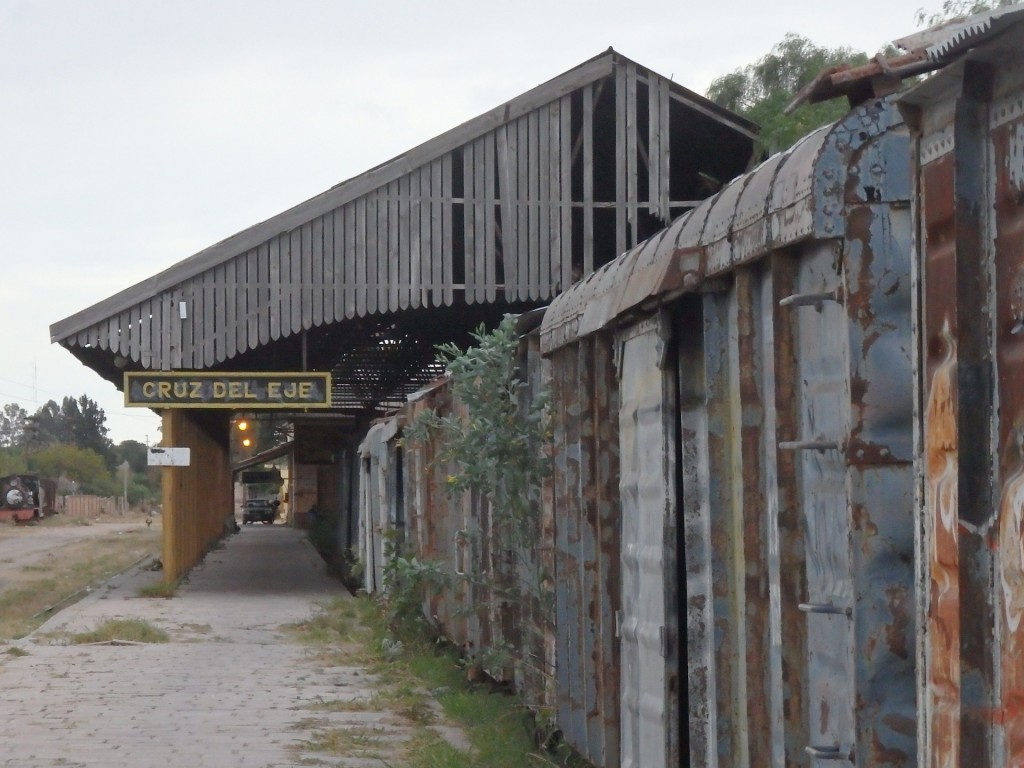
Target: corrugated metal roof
[(923, 52), (950, 38)]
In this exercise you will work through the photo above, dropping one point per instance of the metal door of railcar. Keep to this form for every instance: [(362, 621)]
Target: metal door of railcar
[(649, 674), (823, 407), (855, 488)]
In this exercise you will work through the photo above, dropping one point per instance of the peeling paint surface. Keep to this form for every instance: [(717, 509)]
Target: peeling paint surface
[(942, 519)]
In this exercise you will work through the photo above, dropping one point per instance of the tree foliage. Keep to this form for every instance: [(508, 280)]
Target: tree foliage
[(762, 90), (12, 462), (135, 453), (497, 442), (12, 425), (78, 422), (80, 465), (144, 481), (69, 443), (954, 9)]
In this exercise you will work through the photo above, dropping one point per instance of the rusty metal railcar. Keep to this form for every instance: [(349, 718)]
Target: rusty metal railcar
[(729, 524), (584, 499), (968, 125), (787, 508), (763, 348)]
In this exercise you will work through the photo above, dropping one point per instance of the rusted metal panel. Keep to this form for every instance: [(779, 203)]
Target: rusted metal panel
[(601, 306), (795, 481), (941, 674), (586, 583), (791, 208), (723, 471), (969, 119), (568, 394), (785, 533), (697, 605), (438, 523), (1008, 173), (750, 231), (718, 230), (879, 456), (646, 274), (751, 374), (734, 666), (829, 598), (961, 435)]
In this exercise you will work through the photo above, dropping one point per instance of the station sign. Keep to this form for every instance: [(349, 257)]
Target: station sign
[(197, 389), (169, 457)]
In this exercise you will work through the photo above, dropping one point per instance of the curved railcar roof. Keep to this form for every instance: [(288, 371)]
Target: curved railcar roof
[(793, 196)]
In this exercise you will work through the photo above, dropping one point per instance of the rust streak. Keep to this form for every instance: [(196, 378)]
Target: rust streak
[(941, 509)]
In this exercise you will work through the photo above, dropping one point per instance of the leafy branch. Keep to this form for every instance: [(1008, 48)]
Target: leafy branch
[(496, 438)]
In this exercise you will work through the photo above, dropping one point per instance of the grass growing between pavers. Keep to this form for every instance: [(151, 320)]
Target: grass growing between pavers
[(164, 589), (359, 741), (424, 684), (121, 630), (25, 604)]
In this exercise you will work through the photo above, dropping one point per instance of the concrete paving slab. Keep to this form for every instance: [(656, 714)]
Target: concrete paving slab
[(231, 688)]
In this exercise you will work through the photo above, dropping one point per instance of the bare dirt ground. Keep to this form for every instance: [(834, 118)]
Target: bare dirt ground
[(24, 549), (43, 566)]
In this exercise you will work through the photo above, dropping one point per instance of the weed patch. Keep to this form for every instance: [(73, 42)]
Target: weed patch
[(425, 684), (162, 589), (123, 630), (348, 742), (26, 603), (345, 705)]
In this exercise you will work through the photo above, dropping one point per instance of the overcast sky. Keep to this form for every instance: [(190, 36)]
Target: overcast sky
[(134, 133)]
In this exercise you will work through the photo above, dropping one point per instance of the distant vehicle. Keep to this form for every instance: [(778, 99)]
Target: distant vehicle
[(19, 498), (258, 511)]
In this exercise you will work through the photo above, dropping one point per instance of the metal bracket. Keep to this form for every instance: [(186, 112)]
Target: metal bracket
[(826, 753), (809, 445), (825, 608), (813, 299)]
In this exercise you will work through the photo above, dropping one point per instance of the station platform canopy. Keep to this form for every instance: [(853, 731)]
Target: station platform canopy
[(497, 215)]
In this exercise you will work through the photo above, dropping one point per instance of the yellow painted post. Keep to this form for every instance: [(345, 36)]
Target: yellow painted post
[(197, 497), (170, 494)]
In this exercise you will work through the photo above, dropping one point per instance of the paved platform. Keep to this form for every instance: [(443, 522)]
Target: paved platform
[(232, 688)]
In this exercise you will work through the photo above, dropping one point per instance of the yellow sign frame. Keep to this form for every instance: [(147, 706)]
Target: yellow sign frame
[(227, 390)]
